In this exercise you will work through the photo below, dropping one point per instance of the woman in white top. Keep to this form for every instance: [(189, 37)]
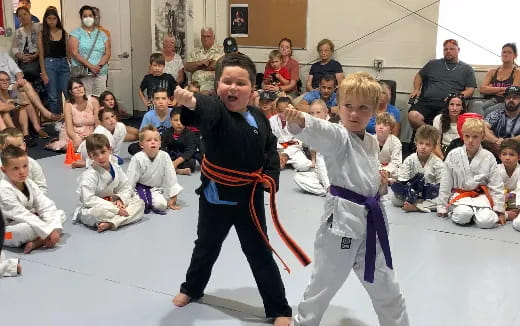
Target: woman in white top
[(446, 122), (174, 65)]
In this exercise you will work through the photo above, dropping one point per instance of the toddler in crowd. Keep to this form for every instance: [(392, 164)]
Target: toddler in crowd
[(276, 75), (390, 148)]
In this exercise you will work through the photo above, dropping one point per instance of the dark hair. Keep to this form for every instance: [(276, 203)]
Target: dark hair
[(50, 11), (511, 144), (445, 114), (328, 78), (10, 152), (452, 41), (76, 80), (236, 60), (4, 73), (22, 8), (102, 100), (105, 110), (157, 58), (175, 111), (512, 46), (96, 142), (159, 90), (85, 8), (2, 231), (284, 99), (288, 40)]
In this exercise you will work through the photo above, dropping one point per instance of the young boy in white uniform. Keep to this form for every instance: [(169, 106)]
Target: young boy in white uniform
[(471, 185), (152, 174), (31, 218), (8, 267), (106, 200), (353, 215), (13, 136), (509, 170), (390, 148)]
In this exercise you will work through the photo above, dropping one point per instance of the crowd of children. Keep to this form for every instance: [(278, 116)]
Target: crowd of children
[(244, 148)]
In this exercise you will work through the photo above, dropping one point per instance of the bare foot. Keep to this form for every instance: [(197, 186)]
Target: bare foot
[(103, 226), (78, 164), (409, 207), (186, 171), (282, 321), (19, 269), (31, 245), (181, 299)]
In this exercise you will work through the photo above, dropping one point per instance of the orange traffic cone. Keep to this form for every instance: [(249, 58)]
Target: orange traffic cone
[(70, 155)]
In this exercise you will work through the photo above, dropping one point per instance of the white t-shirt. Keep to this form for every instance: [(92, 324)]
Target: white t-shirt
[(172, 67), (449, 135)]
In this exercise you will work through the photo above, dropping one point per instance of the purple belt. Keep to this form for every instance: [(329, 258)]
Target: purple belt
[(146, 195), (375, 225)]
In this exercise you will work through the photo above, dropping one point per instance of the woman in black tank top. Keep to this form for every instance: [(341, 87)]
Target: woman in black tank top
[(497, 80), (53, 58)]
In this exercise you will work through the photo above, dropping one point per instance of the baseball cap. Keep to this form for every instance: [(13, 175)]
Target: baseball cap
[(512, 90), (267, 96), (230, 45)]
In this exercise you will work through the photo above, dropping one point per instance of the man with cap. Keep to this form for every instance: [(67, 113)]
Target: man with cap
[(266, 100), (230, 45), (504, 123)]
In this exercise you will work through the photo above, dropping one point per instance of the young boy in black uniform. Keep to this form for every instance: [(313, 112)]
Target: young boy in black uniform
[(239, 142), (179, 142)]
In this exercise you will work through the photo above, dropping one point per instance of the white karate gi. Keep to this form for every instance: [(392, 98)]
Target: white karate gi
[(511, 186), (115, 139), (158, 174), (352, 163), (460, 173), (8, 267), (432, 171), (20, 213), (35, 174), (391, 155), (297, 157), (96, 183), (315, 181)]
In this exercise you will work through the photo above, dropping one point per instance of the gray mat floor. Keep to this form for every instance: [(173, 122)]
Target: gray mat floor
[(450, 275)]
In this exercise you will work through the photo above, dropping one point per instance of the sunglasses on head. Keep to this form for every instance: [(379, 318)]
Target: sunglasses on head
[(459, 95)]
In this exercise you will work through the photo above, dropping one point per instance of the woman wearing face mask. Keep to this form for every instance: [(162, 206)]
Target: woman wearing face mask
[(80, 43)]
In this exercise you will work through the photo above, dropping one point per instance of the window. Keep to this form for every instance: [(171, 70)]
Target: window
[(488, 23)]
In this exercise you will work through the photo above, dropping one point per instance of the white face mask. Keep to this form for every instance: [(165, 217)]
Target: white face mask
[(88, 21)]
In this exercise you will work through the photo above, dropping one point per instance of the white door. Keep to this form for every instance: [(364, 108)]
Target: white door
[(115, 16)]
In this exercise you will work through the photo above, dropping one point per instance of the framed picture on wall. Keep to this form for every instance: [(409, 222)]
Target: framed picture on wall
[(239, 20)]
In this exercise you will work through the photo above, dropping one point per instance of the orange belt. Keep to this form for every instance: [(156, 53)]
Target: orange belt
[(288, 143), (481, 189), (234, 178)]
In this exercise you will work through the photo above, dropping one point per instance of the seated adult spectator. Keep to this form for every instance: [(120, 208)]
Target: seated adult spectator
[(326, 66), (497, 80), (26, 4), (25, 45), (385, 106), (503, 123), (446, 123), (25, 90), (14, 108), (173, 61), (291, 89), (202, 60), (326, 92), (81, 117), (436, 80)]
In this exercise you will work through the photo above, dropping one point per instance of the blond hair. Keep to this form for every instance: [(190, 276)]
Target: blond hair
[(321, 103), (275, 54), (360, 85), (145, 129), (385, 118), (474, 125), (429, 133)]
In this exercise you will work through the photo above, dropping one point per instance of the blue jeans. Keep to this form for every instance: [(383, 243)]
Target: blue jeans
[(59, 74)]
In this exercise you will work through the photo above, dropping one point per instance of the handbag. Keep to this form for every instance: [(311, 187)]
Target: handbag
[(31, 70), (80, 70)]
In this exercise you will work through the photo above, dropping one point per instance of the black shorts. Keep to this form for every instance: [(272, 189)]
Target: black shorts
[(428, 109)]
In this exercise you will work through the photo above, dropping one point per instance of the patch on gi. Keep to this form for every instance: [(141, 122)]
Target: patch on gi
[(346, 242)]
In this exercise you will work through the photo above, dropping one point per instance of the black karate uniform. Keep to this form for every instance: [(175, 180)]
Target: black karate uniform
[(184, 146), (232, 143)]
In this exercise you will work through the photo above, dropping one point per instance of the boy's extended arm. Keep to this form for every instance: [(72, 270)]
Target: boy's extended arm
[(445, 190)]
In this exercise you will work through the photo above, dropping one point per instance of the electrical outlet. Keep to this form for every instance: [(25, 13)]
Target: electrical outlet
[(378, 64)]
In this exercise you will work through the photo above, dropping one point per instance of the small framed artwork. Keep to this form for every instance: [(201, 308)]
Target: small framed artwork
[(239, 20)]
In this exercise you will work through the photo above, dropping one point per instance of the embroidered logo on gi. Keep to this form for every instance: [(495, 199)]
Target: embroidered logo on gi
[(346, 242)]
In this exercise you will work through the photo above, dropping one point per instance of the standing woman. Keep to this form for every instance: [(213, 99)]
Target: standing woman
[(25, 45), (80, 43), (53, 58)]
